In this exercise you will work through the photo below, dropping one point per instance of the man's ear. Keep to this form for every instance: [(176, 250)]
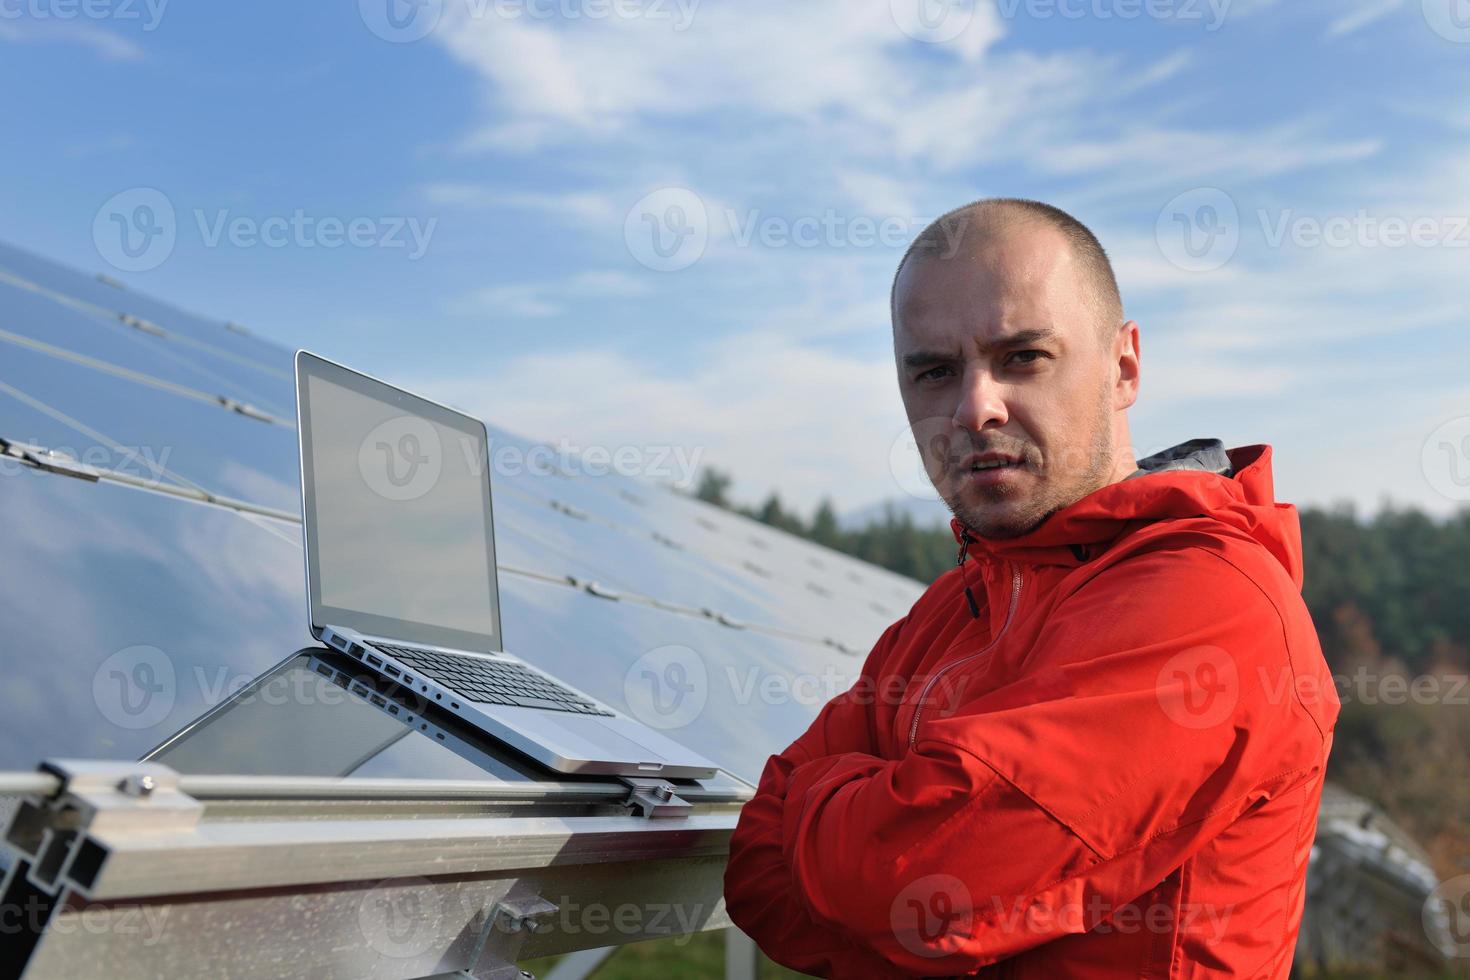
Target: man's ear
[(1126, 358)]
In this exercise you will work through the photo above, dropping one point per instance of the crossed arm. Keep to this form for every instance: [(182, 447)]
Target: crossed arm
[(1061, 796)]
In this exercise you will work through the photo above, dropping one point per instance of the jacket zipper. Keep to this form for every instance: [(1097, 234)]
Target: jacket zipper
[(933, 678)]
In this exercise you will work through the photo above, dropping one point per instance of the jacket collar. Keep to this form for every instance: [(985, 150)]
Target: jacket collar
[(1193, 479)]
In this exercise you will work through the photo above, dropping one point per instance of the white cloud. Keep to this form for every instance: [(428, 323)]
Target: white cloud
[(736, 406), (545, 299), (109, 46), (1361, 16)]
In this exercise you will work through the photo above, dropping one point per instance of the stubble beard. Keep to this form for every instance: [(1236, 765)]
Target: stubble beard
[(1009, 511)]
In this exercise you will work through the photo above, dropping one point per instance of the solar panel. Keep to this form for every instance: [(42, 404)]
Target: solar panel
[(135, 612)]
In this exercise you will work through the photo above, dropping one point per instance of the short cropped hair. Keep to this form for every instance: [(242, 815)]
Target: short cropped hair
[(993, 215)]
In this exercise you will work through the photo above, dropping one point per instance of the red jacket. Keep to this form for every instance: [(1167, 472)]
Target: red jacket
[(1112, 770)]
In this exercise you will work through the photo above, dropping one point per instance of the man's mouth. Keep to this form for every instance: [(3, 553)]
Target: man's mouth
[(982, 462)]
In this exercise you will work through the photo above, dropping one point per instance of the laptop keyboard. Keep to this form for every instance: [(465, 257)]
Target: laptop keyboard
[(493, 681)]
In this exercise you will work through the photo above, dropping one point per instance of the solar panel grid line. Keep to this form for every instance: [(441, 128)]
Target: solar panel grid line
[(127, 373), (139, 331), (206, 495), (158, 467), (777, 573), (138, 377), (199, 496), (774, 570), (578, 512), (141, 323)]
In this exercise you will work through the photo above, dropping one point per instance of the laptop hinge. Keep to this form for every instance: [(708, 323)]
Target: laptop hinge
[(651, 798)]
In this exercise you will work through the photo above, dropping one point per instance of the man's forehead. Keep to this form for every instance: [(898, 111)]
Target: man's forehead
[(982, 289)]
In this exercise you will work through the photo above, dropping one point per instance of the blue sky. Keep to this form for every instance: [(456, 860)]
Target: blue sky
[(534, 146)]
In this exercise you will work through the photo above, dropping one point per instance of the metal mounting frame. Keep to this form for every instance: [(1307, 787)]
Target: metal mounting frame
[(129, 870)]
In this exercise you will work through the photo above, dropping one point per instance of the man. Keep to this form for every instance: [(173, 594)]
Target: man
[(1096, 747)]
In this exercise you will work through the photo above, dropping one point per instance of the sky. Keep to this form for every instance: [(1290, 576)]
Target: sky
[(669, 227)]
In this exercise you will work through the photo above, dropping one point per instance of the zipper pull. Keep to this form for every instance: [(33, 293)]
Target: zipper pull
[(959, 563)]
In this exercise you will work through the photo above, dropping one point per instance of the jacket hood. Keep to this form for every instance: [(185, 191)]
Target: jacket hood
[(1198, 478)]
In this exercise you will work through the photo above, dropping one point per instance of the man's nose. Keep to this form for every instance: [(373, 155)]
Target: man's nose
[(982, 402)]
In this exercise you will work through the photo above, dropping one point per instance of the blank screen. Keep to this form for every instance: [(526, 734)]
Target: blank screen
[(400, 527)]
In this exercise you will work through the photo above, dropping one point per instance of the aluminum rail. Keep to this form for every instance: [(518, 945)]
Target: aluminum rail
[(311, 788), (286, 877)]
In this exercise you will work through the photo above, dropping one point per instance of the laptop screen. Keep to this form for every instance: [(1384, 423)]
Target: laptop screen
[(396, 501)]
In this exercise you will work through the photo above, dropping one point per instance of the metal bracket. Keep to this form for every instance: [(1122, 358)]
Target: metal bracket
[(512, 919), (59, 838), (655, 798), (45, 459), (138, 323)]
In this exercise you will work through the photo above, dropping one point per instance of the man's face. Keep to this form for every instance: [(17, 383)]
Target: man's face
[(998, 352)]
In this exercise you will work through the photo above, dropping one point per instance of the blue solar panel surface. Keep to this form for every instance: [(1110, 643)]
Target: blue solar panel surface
[(131, 612)]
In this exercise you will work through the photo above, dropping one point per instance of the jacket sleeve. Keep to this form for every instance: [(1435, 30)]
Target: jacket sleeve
[(1157, 704), (759, 890)]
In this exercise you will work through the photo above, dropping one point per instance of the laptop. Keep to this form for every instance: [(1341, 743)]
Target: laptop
[(401, 576)]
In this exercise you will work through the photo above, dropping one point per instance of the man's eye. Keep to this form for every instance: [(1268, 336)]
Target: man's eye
[(1033, 355), (931, 374)]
